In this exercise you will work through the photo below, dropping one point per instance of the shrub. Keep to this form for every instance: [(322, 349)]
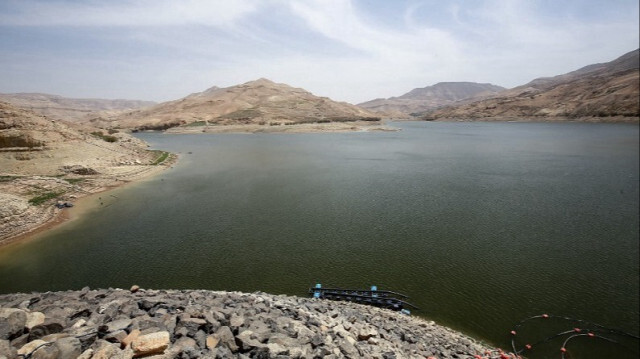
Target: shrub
[(104, 137), (40, 199)]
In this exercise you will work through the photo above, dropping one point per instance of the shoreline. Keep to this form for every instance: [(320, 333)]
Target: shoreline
[(331, 127), (49, 218), (540, 119)]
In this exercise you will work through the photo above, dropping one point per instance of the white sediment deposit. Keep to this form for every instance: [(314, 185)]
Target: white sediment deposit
[(116, 323)]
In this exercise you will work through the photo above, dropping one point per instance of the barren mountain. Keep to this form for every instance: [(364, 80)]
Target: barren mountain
[(44, 160), (430, 97), (69, 109), (600, 91), (257, 102)]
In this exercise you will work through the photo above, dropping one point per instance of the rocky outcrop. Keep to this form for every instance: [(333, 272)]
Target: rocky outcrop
[(118, 323)]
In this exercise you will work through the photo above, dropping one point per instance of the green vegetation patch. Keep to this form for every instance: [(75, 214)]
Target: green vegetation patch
[(197, 123), (104, 137), (8, 178), (8, 141), (162, 156), (74, 180), (247, 114), (42, 198)]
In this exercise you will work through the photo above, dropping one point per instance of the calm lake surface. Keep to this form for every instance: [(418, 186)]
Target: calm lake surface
[(482, 224)]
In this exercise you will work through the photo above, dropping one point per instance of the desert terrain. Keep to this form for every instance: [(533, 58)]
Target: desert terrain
[(45, 161)]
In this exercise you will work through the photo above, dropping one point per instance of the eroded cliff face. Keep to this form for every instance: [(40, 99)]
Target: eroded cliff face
[(117, 323)]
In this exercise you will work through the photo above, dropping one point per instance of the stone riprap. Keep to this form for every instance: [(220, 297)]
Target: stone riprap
[(116, 323)]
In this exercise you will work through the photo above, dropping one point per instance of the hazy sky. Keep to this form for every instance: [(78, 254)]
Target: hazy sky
[(348, 50)]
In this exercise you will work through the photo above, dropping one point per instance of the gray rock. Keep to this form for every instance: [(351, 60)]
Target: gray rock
[(226, 338), (192, 325), (348, 349), (120, 324), (20, 341), (46, 352), (6, 349), (203, 324), (68, 348), (201, 339), (115, 336), (145, 322), (12, 322), (48, 327), (236, 321), (106, 350), (87, 354), (31, 347), (247, 341), (184, 344), (181, 332)]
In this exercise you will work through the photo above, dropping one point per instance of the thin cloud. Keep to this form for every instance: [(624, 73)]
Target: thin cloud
[(347, 50), (126, 13)]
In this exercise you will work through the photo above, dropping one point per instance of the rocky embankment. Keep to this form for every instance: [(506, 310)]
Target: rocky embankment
[(116, 323)]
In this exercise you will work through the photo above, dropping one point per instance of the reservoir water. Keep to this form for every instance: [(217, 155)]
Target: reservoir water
[(482, 224)]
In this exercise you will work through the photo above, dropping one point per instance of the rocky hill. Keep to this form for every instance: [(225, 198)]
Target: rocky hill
[(44, 160), (117, 323), (70, 109), (607, 91), (260, 102), (427, 98)]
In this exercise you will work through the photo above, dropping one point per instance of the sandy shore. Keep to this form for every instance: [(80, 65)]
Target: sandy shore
[(22, 221), (610, 119), (331, 127)]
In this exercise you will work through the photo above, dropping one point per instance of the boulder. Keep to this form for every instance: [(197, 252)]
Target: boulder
[(116, 336), (247, 341), (87, 354), (212, 342), (201, 338), (184, 344), (6, 349), (30, 347), (236, 321), (120, 324), (33, 319), (12, 322), (68, 348), (48, 327), (366, 333), (192, 325), (46, 352), (106, 350), (348, 349), (130, 338), (154, 343), (226, 338)]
